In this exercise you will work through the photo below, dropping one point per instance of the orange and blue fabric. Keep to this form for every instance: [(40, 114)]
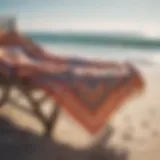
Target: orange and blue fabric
[(90, 91)]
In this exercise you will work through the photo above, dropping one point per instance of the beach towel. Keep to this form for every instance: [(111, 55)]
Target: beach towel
[(90, 91)]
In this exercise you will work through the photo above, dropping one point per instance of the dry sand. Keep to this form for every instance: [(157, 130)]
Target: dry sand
[(136, 124)]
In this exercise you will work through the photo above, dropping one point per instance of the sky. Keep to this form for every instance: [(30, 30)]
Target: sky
[(85, 15)]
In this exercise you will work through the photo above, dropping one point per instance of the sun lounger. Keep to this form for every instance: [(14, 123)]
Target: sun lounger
[(89, 91)]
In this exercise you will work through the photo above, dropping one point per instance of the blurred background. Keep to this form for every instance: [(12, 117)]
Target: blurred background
[(101, 29), (93, 28)]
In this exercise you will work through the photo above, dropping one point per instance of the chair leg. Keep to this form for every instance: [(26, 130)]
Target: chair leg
[(103, 140), (48, 124), (34, 103), (6, 93), (51, 123)]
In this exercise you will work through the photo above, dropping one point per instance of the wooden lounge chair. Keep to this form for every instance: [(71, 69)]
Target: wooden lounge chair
[(90, 91)]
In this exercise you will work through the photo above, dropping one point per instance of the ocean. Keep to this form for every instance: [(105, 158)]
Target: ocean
[(136, 48)]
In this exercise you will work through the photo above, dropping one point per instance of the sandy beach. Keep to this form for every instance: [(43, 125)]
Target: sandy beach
[(136, 123)]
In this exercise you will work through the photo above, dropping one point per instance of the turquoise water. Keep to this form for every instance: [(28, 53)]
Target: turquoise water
[(131, 47), (115, 40)]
